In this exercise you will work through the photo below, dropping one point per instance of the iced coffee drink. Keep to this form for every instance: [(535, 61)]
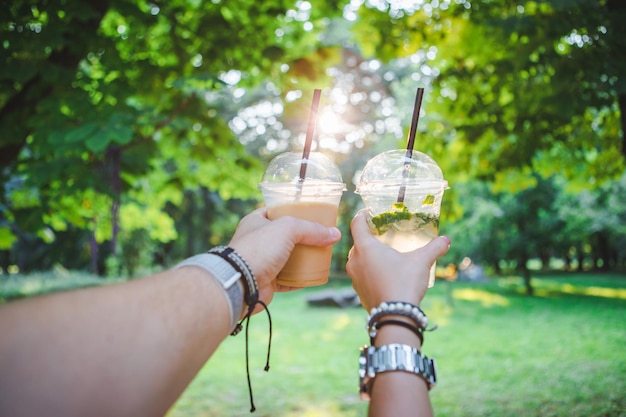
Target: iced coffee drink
[(316, 198)]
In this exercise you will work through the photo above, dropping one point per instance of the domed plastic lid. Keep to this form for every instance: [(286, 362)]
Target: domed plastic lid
[(394, 169), (285, 168)]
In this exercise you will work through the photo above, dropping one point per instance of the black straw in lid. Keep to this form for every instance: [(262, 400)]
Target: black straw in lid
[(310, 132), (411, 139)]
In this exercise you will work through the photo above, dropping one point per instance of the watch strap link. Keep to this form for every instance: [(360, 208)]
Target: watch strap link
[(394, 357)]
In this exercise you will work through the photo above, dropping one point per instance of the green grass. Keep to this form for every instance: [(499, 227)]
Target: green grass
[(499, 352)]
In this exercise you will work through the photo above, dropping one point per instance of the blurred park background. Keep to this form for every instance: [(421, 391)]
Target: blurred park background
[(133, 133)]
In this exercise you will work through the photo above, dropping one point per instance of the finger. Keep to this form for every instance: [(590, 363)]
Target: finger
[(307, 232), (358, 226), (261, 211), (256, 218), (285, 288), (434, 249)]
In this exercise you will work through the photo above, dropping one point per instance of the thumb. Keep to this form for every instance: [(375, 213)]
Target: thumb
[(308, 233)]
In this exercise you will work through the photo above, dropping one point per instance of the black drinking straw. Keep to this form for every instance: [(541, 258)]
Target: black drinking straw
[(410, 143), (310, 131)]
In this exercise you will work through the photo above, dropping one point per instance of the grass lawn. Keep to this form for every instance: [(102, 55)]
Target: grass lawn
[(499, 352)]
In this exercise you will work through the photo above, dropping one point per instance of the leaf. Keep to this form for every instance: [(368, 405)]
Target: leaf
[(119, 129), (81, 133), (7, 238), (98, 142)]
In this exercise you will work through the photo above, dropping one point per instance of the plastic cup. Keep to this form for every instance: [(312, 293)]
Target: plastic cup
[(316, 199), (411, 224)]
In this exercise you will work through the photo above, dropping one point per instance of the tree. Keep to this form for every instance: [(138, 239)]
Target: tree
[(115, 105), (538, 84)]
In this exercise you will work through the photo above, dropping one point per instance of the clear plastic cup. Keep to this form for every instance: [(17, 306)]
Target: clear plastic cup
[(316, 199), (411, 224)]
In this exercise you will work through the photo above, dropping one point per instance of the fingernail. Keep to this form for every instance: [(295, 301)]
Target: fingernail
[(334, 233), (447, 239)]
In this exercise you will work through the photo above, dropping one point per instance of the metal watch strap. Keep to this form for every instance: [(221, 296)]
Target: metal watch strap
[(393, 357), (223, 272)]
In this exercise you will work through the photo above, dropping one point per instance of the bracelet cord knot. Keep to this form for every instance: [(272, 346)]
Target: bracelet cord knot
[(251, 299)]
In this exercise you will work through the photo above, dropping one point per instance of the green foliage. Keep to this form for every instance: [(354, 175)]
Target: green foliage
[(6, 238), (117, 103), (542, 221), (113, 107), (530, 86)]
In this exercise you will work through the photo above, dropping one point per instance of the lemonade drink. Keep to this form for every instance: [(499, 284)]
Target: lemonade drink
[(405, 231), (409, 222)]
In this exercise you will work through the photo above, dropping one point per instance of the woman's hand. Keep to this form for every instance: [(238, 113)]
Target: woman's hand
[(380, 273)]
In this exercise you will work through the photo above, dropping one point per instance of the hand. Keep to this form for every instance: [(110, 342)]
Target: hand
[(380, 273), (266, 245)]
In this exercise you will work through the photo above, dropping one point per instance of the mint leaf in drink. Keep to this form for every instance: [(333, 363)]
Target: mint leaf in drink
[(400, 218), (430, 199)]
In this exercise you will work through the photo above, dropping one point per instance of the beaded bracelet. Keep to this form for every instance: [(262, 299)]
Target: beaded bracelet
[(399, 308)]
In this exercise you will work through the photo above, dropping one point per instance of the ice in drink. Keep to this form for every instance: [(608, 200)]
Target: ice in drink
[(316, 198)]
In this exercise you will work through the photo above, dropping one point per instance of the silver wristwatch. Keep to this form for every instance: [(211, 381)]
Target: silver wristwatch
[(393, 357), (226, 275)]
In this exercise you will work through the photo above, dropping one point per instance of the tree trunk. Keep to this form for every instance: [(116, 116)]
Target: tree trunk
[(496, 267), (527, 281), (208, 213), (115, 156), (621, 101), (568, 261), (580, 255), (93, 252), (523, 266), (603, 250), (190, 213), (617, 11)]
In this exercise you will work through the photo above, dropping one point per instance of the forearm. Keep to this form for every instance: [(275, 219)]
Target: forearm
[(398, 393), (127, 349)]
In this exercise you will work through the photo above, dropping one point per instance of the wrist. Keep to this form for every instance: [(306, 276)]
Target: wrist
[(397, 334), (229, 279), (396, 331)]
